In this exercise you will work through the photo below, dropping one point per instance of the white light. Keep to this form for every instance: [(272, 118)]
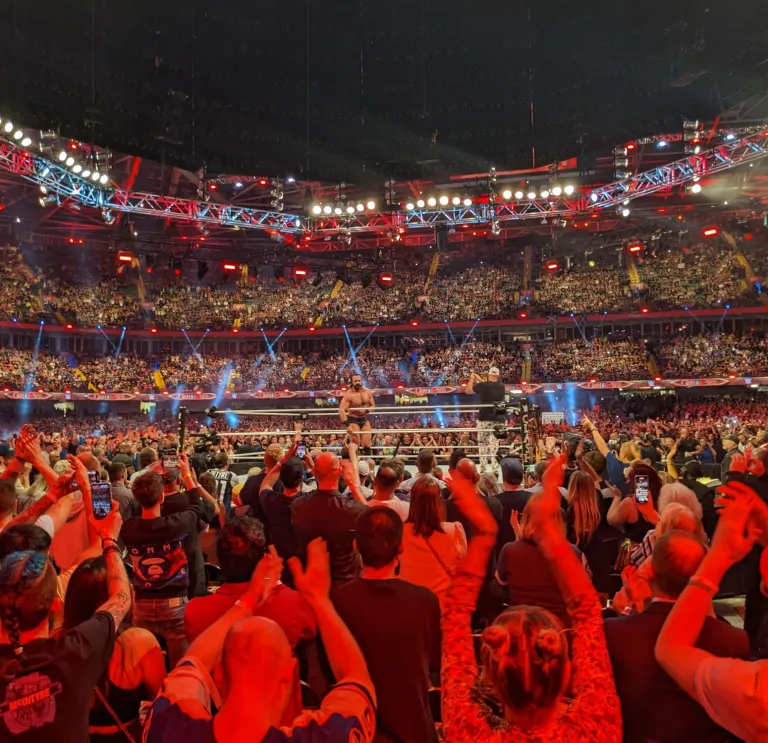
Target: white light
[(661, 143), (327, 209), (26, 142), (360, 207), (730, 136), (625, 202), (70, 161), (696, 179), (104, 179), (370, 205), (696, 188), (420, 203), (507, 194), (337, 210), (456, 201), (409, 206), (77, 168), (726, 203), (593, 196), (444, 201), (531, 194), (431, 201), (238, 184), (625, 212), (86, 173), (95, 175), (350, 210), (569, 190), (62, 156), (43, 190), (518, 195), (545, 194), (467, 202), (317, 209), (18, 134), (290, 180), (8, 128), (556, 191)]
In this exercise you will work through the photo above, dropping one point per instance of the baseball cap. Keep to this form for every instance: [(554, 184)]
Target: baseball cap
[(512, 471), (732, 437), (494, 371)]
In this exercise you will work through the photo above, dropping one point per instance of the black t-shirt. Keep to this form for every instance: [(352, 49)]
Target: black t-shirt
[(397, 626), (276, 509), (49, 697), (165, 553), (326, 514), (650, 453), (511, 500), (491, 393), (249, 494)]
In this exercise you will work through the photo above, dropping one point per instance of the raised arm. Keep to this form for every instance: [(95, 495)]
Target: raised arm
[(602, 447), (119, 590), (52, 497), (314, 584), (192, 485)]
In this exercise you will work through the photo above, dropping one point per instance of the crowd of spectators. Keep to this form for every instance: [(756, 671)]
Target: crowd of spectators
[(465, 287), (686, 356)]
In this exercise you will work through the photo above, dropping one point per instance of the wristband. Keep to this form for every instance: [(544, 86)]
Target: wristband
[(111, 548), (705, 585), (107, 539)]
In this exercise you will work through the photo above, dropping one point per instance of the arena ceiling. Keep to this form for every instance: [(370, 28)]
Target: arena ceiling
[(416, 91)]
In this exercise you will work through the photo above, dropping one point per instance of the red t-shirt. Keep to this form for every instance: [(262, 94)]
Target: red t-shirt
[(285, 606)]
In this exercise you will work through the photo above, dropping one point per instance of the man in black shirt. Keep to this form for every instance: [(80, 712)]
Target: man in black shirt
[(249, 495), (513, 498), (397, 626), (325, 513), (165, 555), (492, 392)]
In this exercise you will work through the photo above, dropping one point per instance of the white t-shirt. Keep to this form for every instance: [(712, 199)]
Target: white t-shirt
[(734, 693), (400, 507)]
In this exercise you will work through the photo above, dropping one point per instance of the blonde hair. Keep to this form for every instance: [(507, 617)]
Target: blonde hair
[(488, 484), (628, 452), (582, 503), (525, 658), (678, 517), (666, 478)]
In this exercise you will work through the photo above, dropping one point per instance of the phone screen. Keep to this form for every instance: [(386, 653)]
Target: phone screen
[(101, 495), (170, 459), (641, 488), (301, 451)]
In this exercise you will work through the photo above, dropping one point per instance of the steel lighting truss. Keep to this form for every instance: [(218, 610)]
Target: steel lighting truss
[(58, 180)]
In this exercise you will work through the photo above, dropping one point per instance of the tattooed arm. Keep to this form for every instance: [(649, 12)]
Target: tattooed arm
[(119, 601)]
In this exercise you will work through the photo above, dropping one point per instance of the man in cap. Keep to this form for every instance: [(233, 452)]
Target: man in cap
[(730, 447), (492, 398)]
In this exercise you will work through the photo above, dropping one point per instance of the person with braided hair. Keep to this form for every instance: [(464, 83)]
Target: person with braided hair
[(527, 664), (47, 682)]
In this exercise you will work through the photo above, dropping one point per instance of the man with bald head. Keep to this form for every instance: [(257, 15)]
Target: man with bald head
[(326, 513), (653, 706), (242, 668)]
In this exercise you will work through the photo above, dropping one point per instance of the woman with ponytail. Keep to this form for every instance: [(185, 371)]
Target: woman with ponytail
[(528, 663)]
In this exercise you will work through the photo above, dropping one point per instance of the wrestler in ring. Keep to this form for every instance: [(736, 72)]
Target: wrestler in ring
[(354, 409)]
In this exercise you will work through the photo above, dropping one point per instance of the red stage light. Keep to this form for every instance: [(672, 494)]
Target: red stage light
[(235, 330), (299, 272), (153, 330), (67, 391), (711, 232), (124, 257), (631, 146), (212, 186), (657, 379), (230, 266), (6, 389), (263, 182), (523, 315), (414, 323), (73, 145), (731, 376), (635, 247), (149, 269), (69, 326), (552, 265), (311, 328), (748, 236), (177, 271), (592, 380), (644, 310), (40, 389)]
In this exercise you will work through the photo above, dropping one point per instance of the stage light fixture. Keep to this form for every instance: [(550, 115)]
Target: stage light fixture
[(443, 201), (711, 232), (467, 202), (569, 190), (70, 161), (26, 142), (317, 209), (108, 216), (696, 188), (360, 206), (625, 212), (77, 168), (552, 265), (371, 205), (385, 278), (507, 194), (337, 210), (86, 173), (350, 209), (545, 194), (299, 273), (662, 143), (48, 200), (420, 203), (104, 179), (432, 201), (409, 206), (62, 156), (327, 209), (519, 195), (456, 201), (230, 266), (124, 257), (635, 247), (556, 191), (531, 194), (95, 176), (593, 196), (18, 134), (8, 128)]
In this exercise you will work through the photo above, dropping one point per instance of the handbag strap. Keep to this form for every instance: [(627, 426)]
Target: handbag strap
[(112, 712), (437, 557)]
